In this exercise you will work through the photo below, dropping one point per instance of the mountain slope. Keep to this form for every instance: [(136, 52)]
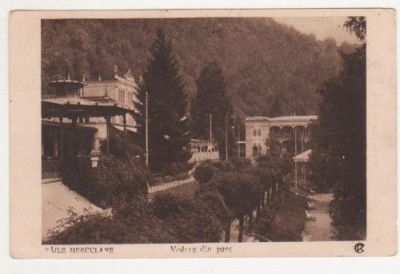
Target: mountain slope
[(269, 68)]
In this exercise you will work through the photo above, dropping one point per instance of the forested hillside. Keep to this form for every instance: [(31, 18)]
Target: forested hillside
[(269, 68)]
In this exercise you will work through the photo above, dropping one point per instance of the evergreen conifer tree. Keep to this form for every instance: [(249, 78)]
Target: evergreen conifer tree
[(211, 99), (169, 134)]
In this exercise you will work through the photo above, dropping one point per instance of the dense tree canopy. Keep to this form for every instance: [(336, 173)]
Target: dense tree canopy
[(241, 194), (339, 153), (261, 58)]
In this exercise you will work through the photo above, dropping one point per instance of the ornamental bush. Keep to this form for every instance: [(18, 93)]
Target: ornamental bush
[(132, 222), (119, 148), (240, 163), (111, 181), (192, 220), (204, 173)]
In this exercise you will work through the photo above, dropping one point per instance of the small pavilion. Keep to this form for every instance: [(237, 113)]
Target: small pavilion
[(65, 122), (300, 167)]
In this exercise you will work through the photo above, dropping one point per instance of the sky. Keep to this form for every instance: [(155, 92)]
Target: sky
[(322, 27)]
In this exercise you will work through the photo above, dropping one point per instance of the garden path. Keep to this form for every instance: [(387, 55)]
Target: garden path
[(318, 227)]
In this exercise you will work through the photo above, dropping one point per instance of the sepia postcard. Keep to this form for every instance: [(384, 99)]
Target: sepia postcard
[(203, 133)]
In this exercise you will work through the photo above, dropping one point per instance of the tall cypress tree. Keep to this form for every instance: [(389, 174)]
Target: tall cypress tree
[(211, 99), (169, 133)]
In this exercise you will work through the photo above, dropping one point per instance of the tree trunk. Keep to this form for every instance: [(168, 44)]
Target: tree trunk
[(250, 221), (228, 233), (268, 192), (273, 189), (241, 222), (263, 199)]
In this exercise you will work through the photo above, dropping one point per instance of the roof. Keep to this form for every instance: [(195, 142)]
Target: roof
[(73, 107), (74, 83), (294, 118), (303, 157), (283, 118), (197, 141)]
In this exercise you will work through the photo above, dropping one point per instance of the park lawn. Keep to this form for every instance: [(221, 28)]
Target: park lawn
[(289, 221)]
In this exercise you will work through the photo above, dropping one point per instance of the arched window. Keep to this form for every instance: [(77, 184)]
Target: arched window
[(259, 132), (254, 132)]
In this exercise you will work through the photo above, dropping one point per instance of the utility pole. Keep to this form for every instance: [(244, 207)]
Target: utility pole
[(210, 128), (238, 140), (295, 154), (226, 136), (147, 128)]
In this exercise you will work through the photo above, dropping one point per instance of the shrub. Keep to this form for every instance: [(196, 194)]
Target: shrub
[(267, 216), (173, 169), (171, 205), (113, 180), (191, 220), (213, 200), (222, 166), (120, 149), (264, 158), (240, 163), (132, 222), (288, 225), (180, 176), (204, 173), (284, 219)]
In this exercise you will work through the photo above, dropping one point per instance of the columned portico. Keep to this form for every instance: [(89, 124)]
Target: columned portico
[(277, 135)]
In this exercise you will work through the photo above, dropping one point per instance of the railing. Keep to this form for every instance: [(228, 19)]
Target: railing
[(154, 189), (51, 168), (47, 96)]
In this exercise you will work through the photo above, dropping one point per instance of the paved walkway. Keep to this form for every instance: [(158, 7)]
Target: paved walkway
[(235, 230), (57, 202), (318, 227)]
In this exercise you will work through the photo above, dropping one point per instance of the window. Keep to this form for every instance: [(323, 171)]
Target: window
[(121, 97), (130, 98), (254, 132), (259, 132)]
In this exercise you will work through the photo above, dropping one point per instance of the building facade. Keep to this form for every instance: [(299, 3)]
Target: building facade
[(277, 135), (203, 150), (77, 116), (120, 90)]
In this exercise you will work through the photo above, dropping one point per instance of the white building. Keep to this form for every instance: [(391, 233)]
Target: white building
[(277, 135)]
